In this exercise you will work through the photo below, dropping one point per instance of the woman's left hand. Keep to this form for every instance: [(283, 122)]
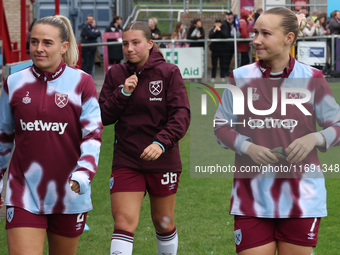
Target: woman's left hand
[(300, 148), (1, 201), (75, 186), (152, 152)]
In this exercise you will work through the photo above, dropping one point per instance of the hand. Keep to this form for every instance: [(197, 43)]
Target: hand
[(152, 152), (1, 201), (156, 36), (75, 186), (300, 148), (130, 84), (261, 155), (217, 28)]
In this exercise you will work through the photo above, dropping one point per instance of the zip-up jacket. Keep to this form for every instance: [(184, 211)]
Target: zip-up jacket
[(55, 120), (157, 111)]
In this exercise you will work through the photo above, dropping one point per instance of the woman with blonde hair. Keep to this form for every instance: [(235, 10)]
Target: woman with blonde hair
[(51, 111)]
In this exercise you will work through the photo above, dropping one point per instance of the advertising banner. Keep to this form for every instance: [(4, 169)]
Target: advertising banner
[(312, 53), (188, 60), (249, 6)]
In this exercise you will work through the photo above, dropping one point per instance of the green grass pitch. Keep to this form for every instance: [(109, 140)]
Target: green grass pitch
[(202, 219)]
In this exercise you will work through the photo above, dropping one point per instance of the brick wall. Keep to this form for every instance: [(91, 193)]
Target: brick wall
[(12, 11)]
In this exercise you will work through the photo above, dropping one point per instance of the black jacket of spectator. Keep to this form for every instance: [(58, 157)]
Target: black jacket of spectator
[(224, 33), (191, 36)]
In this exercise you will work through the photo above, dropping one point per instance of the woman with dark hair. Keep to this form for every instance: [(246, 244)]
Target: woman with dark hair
[(147, 101), (115, 51), (196, 32)]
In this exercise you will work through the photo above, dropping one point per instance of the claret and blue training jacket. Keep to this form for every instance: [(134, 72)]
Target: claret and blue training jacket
[(54, 119), (157, 111), (284, 189)]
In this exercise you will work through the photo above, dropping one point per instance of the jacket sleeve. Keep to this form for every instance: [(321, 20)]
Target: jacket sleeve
[(212, 34), (327, 112), (7, 128), (189, 33), (111, 100), (334, 26), (243, 29), (91, 128), (87, 34), (223, 33), (202, 33), (226, 135), (178, 112), (308, 32)]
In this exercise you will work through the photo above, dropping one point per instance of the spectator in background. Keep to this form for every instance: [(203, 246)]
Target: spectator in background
[(322, 24), (218, 51), (315, 14), (230, 23), (115, 51), (334, 24), (243, 47), (89, 34), (179, 34), (115, 25), (196, 32), (257, 14), (303, 11), (311, 28), (156, 33)]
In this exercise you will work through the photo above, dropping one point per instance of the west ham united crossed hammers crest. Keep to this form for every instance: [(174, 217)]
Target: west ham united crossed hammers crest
[(61, 100), (156, 87)]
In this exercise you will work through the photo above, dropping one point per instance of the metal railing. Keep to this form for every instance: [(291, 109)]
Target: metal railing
[(172, 43)]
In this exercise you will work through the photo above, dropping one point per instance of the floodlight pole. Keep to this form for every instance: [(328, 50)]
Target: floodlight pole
[(23, 30), (57, 7), (185, 5)]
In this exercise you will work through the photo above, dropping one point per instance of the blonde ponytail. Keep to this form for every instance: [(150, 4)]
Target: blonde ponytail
[(302, 22), (70, 57)]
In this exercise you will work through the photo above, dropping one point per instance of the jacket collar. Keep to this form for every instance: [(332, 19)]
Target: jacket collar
[(155, 58), (286, 72), (48, 76)]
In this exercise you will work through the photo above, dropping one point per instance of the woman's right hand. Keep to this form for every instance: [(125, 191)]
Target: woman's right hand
[(261, 155), (1, 201), (130, 84)]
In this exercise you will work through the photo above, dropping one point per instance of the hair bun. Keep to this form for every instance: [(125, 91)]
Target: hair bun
[(302, 22)]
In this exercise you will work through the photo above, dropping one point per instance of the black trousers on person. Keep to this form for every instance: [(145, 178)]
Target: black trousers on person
[(244, 58), (222, 57), (87, 59)]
